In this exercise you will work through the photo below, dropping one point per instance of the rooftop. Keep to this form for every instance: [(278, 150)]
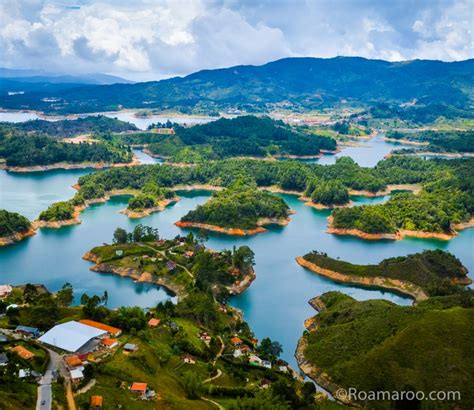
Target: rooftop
[(114, 331), (139, 387), (22, 352), (70, 336)]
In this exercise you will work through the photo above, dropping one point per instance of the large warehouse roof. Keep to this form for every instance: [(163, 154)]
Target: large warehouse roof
[(70, 336)]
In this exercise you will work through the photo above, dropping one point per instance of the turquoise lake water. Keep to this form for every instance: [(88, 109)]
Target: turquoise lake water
[(276, 303)]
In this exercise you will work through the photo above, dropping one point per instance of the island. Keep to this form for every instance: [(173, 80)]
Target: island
[(14, 227), (420, 275), (377, 345), (243, 136), (326, 194), (241, 209), (59, 214)]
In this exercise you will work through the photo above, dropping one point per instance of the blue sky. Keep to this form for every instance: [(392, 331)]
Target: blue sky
[(154, 39)]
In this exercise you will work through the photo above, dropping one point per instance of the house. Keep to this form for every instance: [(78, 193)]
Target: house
[(96, 402), (189, 254), (173, 326), (109, 343), (23, 352), (3, 359), (3, 338), (139, 388), (153, 322), (163, 131), (267, 364), (76, 375), (236, 341), (237, 353), (255, 360), (245, 349), (73, 361), (188, 359), (205, 337), (5, 291), (235, 272), (170, 265), (28, 331), (112, 331), (283, 369), (119, 252), (73, 337), (160, 242), (130, 347), (265, 383)]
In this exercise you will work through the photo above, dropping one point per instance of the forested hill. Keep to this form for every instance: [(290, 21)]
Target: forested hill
[(298, 83)]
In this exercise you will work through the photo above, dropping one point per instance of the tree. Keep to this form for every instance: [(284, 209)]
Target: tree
[(66, 295), (30, 293), (120, 236), (202, 236), (105, 297), (243, 257), (192, 385), (270, 348)]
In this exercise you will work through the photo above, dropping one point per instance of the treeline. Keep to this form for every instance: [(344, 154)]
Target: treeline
[(149, 196), (241, 136), (22, 150), (239, 206), (439, 141), (68, 128), (12, 223)]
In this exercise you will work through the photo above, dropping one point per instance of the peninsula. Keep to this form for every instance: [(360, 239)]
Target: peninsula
[(418, 276), (14, 227)]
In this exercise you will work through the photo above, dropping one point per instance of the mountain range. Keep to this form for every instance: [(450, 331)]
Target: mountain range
[(293, 83)]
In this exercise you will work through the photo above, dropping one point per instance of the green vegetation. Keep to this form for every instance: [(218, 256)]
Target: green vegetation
[(241, 136), (328, 193), (59, 211), (12, 222), (68, 128), (376, 345), (31, 150), (241, 205), (438, 141), (149, 197), (436, 272)]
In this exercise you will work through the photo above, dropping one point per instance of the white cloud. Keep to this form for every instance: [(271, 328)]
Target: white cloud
[(147, 39)]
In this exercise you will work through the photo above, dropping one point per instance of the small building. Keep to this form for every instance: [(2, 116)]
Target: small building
[(245, 349), (28, 331), (3, 338), (109, 343), (265, 383), (76, 375), (23, 352), (236, 341), (154, 322), (112, 331), (205, 337), (5, 291), (163, 131), (3, 359), (96, 402), (171, 266), (188, 359), (283, 369), (235, 272), (189, 254), (173, 326), (119, 252), (130, 347), (73, 361), (237, 353), (255, 360), (267, 364), (139, 388)]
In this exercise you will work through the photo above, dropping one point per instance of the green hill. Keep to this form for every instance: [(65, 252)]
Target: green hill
[(376, 345)]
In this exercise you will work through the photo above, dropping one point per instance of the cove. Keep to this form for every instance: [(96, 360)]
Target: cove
[(276, 303)]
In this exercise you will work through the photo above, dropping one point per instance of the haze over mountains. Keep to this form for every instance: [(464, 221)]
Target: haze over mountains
[(297, 83)]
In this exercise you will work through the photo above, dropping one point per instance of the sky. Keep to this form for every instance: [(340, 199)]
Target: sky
[(146, 40)]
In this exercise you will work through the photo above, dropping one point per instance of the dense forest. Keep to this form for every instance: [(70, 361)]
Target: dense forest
[(439, 141), (59, 211), (12, 222), (239, 206), (69, 128), (434, 271), (376, 345), (241, 136), (447, 195), (23, 150)]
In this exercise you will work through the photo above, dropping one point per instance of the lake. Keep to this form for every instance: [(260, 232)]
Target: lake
[(276, 303)]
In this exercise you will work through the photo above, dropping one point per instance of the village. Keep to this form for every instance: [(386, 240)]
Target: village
[(82, 359)]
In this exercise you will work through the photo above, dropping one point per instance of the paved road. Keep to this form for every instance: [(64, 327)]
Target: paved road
[(44, 389)]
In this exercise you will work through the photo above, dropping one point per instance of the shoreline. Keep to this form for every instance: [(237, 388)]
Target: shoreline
[(400, 234), (393, 285), (17, 237), (308, 202), (403, 141), (66, 165), (148, 211), (134, 274), (235, 231), (415, 188)]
